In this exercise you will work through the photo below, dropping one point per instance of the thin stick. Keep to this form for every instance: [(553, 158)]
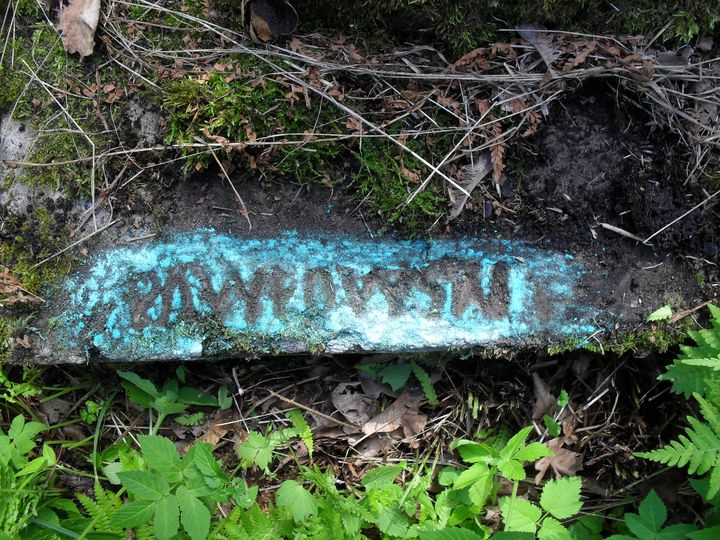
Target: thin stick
[(241, 203), (674, 221), (623, 232), (75, 244), (311, 410)]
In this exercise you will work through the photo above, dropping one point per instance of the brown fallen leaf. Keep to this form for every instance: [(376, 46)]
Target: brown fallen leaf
[(392, 417), (12, 291), (412, 425), (354, 406), (563, 462), (542, 41), (473, 175), (544, 400), (78, 22)]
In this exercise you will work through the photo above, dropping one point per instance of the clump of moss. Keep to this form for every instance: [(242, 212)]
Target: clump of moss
[(216, 107), (27, 240), (388, 177)]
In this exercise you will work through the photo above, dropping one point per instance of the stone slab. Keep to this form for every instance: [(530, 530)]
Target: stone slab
[(192, 280), (176, 298)]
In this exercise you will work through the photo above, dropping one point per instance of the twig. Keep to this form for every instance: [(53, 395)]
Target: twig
[(311, 410), (96, 231), (674, 221)]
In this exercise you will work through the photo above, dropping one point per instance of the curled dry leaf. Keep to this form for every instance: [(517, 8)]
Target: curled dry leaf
[(78, 22)]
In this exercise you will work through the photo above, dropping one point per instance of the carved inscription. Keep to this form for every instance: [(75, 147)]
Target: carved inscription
[(373, 295)]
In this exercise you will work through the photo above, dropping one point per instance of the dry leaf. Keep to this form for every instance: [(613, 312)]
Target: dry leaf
[(544, 400), (474, 173), (78, 22), (12, 291), (563, 462), (542, 41), (354, 406), (392, 417), (497, 155), (413, 425)]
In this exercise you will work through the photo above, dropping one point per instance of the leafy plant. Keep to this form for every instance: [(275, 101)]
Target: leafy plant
[(398, 375), (173, 492), (170, 399), (479, 483), (560, 499), (699, 449), (648, 523), (23, 481), (696, 372), (259, 449)]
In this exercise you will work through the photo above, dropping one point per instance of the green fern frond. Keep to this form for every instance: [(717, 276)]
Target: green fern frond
[(697, 369), (190, 419), (698, 449), (144, 532), (97, 512)]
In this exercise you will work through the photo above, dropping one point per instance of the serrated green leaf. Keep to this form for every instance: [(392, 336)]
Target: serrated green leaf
[(422, 376), (480, 491), (563, 399), (225, 401), (676, 532), (515, 443), (302, 429), (144, 484), (653, 510), (133, 514), (382, 476), (532, 452), (299, 500), (512, 470), (552, 426), (396, 375), (562, 497), (451, 533), (473, 452), (475, 473), (392, 522), (552, 529), (519, 514), (639, 526), (194, 396), (447, 476), (256, 449), (162, 456), (135, 381), (660, 314), (194, 515), (167, 518), (708, 533)]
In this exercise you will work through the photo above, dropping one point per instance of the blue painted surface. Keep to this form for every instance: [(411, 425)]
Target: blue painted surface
[(155, 301)]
